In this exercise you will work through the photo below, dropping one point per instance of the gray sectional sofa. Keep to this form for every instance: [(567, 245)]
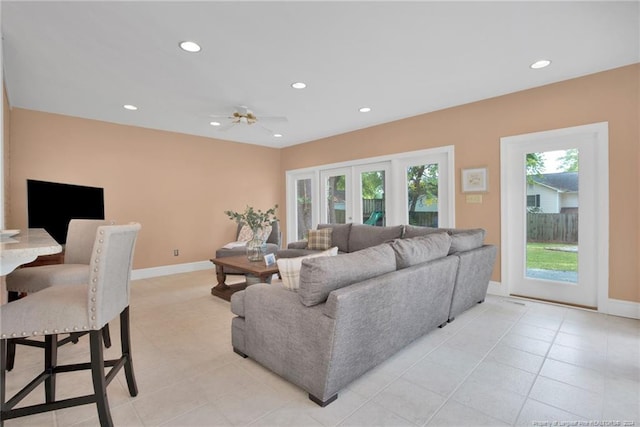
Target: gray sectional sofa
[(388, 287)]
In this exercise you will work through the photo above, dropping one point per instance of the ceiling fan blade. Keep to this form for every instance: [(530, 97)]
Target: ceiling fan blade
[(225, 127), (273, 119)]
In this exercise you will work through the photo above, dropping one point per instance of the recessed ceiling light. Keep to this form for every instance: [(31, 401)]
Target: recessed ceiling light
[(190, 46), (540, 64), (214, 123), (298, 85), (364, 109), (130, 107), (277, 135)]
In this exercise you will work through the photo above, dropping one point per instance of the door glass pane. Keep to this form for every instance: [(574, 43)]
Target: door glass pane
[(422, 192), (303, 207), (552, 215), (336, 205), (373, 200)]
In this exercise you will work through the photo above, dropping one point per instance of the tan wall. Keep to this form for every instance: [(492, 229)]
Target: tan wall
[(177, 186), (475, 131), (6, 126)]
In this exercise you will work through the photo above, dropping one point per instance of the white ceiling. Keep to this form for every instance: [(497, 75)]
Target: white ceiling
[(402, 59)]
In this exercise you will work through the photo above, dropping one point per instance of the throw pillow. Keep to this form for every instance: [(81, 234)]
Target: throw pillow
[(245, 234), (265, 232), (319, 240), (290, 268)]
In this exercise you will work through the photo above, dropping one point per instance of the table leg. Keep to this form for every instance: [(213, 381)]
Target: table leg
[(222, 290), (221, 287)]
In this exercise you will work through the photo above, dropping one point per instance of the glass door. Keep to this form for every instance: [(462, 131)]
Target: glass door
[(371, 194), (554, 194), (428, 182), (335, 187), (422, 194), (552, 210), (302, 205)]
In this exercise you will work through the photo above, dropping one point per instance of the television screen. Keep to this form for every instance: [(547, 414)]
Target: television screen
[(51, 206)]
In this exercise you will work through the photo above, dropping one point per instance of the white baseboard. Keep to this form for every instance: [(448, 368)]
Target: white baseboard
[(496, 288), (611, 306), (622, 308), (165, 270)]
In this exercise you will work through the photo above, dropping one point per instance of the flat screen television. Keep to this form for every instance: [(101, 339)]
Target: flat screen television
[(51, 205)]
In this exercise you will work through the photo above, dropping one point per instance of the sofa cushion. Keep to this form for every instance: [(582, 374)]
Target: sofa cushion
[(319, 239), (290, 268), (319, 276), (417, 250), (365, 236), (415, 231), (465, 240), (339, 236)]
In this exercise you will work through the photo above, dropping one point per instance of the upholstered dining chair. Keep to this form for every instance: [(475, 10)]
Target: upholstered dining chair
[(81, 234), (76, 307)]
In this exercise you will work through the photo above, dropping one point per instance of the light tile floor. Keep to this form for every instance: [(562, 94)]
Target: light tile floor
[(504, 362)]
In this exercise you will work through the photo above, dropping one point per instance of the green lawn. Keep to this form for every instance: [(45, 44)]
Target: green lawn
[(545, 259)]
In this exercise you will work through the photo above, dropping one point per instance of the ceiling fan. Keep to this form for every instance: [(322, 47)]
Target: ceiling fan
[(244, 116)]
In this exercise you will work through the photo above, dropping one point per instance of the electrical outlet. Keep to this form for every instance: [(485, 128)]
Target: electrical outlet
[(176, 252), (474, 198)]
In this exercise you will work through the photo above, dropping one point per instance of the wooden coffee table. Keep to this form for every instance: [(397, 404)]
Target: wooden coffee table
[(239, 263)]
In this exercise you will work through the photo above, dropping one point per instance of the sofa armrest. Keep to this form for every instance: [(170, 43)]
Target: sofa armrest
[(290, 339), (472, 281), (302, 244), (377, 317), (237, 303)]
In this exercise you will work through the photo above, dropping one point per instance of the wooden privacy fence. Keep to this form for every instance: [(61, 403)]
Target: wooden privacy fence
[(552, 227), (424, 219)]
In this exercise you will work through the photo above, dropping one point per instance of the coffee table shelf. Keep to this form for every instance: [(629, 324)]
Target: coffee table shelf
[(238, 263)]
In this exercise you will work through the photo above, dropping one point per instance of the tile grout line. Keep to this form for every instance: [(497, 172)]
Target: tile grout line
[(450, 396)]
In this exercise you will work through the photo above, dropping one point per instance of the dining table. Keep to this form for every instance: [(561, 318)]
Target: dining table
[(19, 247)]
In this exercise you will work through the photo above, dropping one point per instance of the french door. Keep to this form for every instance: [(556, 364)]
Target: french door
[(337, 203), (555, 214), (407, 188)]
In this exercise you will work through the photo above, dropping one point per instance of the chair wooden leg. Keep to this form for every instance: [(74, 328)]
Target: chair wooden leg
[(99, 381), (11, 345), (3, 376), (106, 336), (125, 339), (50, 363), (10, 354)]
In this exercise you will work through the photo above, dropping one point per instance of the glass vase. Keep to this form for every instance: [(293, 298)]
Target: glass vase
[(256, 247)]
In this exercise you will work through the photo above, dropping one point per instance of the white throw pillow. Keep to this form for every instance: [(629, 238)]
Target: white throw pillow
[(290, 268), (246, 234)]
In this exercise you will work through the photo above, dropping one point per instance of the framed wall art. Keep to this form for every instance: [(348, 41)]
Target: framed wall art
[(474, 180)]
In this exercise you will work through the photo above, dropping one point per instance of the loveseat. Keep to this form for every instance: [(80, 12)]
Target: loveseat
[(353, 311)]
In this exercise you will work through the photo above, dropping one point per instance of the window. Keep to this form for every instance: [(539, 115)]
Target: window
[(406, 188), (533, 201)]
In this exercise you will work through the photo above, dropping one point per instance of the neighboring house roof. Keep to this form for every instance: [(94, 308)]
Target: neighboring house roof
[(563, 181)]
